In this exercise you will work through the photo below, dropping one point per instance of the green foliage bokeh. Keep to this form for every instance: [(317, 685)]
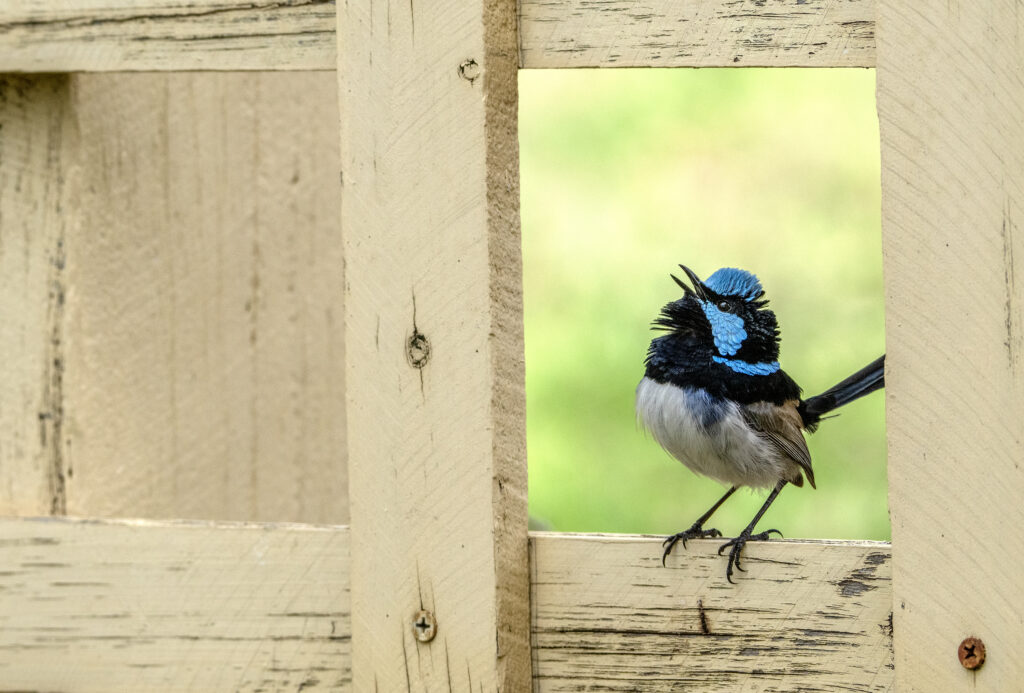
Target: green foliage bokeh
[(625, 174)]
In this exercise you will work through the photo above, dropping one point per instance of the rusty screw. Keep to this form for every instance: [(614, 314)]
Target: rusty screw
[(424, 626), (971, 653)]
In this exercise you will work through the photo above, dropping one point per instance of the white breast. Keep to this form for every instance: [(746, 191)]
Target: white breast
[(707, 434)]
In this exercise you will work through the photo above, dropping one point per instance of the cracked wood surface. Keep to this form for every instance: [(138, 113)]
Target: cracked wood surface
[(131, 35), (697, 33), (36, 177), (99, 606), (950, 98), (806, 616), (163, 606), (128, 35)]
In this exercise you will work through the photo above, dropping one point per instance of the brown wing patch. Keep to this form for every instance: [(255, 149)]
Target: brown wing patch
[(782, 426)]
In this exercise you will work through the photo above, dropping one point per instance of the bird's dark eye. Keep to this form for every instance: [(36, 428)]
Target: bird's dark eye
[(724, 306)]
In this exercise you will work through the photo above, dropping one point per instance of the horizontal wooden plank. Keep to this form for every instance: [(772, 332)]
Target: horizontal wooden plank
[(147, 606), (176, 35), (162, 606), (131, 35), (807, 616), (697, 33)]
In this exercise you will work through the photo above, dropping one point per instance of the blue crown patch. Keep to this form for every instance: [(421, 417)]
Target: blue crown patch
[(730, 281)]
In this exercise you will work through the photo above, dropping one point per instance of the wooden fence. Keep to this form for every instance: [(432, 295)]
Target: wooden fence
[(187, 325)]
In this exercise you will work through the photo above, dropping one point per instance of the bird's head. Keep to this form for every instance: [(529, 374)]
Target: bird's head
[(724, 315)]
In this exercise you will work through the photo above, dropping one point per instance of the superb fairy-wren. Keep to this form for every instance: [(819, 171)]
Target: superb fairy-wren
[(714, 397)]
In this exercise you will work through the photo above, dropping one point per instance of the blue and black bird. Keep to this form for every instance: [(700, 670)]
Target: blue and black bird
[(713, 395)]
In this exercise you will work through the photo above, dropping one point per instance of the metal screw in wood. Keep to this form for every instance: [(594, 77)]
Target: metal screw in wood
[(469, 70), (424, 626), (417, 349), (971, 653)]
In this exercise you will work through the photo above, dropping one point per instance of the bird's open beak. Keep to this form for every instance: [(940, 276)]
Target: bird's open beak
[(698, 285)]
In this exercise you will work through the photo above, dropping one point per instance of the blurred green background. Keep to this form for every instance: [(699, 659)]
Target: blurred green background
[(625, 174)]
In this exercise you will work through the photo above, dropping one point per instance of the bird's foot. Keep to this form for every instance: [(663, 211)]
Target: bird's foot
[(695, 532), (736, 549)]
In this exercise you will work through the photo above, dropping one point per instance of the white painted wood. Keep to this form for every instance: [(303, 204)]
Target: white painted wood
[(203, 351), (807, 616), (697, 33), (168, 606), (950, 98), (146, 606), (36, 179), (434, 353), (104, 35)]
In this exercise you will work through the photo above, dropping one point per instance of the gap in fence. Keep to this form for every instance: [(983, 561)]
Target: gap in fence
[(624, 174)]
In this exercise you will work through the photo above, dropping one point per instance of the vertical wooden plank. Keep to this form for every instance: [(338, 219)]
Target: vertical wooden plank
[(950, 98), (434, 344), (35, 185), (204, 372)]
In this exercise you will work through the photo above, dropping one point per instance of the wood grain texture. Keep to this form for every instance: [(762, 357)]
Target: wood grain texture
[(807, 616), (436, 425), (122, 35), (167, 606), (204, 373), (950, 95), (697, 33), (132, 35), (144, 606), (36, 182)]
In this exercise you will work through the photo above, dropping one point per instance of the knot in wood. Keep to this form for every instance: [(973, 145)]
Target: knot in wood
[(418, 349), (424, 626), (971, 653)]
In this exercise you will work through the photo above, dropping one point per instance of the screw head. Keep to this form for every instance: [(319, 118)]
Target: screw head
[(469, 70), (424, 626), (417, 349), (971, 653)]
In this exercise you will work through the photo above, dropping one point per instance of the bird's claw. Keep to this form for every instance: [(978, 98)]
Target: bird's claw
[(695, 532), (736, 549)]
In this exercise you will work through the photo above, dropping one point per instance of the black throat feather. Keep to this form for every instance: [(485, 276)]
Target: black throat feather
[(685, 356)]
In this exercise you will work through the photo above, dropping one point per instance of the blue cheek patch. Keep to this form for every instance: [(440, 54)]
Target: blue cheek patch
[(726, 328), (748, 368)]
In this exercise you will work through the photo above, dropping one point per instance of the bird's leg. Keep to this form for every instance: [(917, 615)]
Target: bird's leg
[(697, 531), (746, 535)]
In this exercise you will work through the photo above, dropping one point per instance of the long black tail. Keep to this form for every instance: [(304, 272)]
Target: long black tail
[(864, 381)]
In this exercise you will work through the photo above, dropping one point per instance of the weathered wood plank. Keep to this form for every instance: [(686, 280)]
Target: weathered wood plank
[(36, 180), (145, 606), (161, 606), (434, 352), (807, 616), (203, 351), (697, 33), (125, 35), (129, 35), (950, 98), (172, 282)]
